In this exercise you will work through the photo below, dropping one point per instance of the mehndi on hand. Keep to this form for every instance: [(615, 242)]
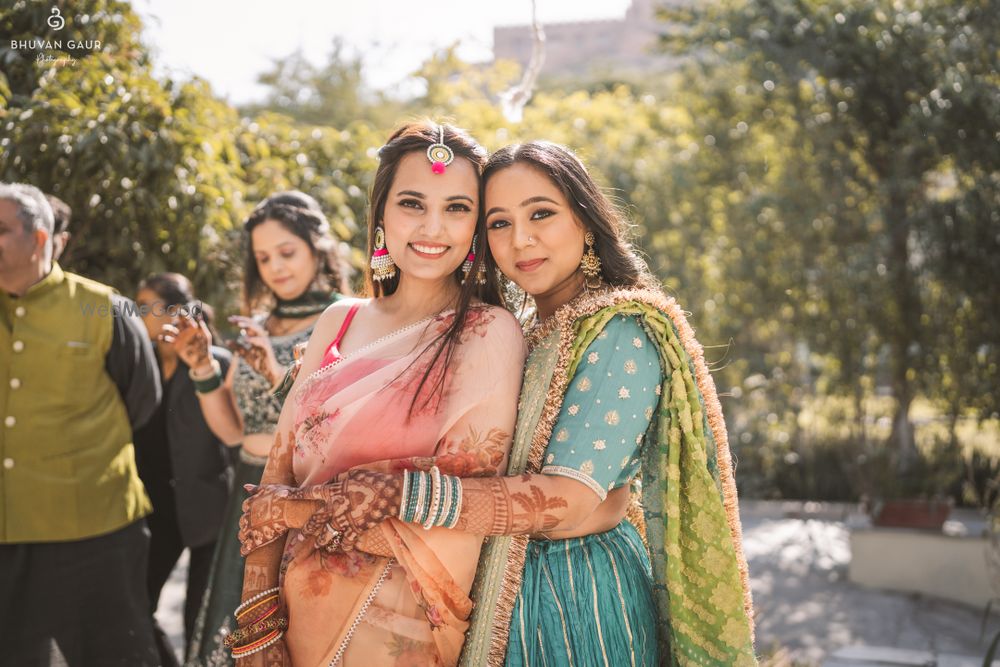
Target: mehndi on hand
[(268, 514), (351, 504)]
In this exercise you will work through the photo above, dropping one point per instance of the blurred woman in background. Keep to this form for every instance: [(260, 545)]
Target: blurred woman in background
[(292, 273)]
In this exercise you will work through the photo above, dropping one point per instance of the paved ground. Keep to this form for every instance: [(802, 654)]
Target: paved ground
[(806, 608), (806, 605)]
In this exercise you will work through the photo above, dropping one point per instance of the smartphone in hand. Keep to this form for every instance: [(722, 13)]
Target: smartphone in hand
[(239, 343)]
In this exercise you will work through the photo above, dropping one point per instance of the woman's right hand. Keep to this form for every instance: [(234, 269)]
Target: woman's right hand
[(268, 514), (191, 340)]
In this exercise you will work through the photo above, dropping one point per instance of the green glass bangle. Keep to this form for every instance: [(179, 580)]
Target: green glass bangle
[(435, 497), (286, 386), (209, 385), (445, 507), (411, 499), (453, 509), (422, 505)]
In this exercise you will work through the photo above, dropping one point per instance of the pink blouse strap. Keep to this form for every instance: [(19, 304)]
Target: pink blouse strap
[(333, 349)]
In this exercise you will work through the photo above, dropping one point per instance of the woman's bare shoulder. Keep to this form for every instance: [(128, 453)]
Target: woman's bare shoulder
[(334, 315)]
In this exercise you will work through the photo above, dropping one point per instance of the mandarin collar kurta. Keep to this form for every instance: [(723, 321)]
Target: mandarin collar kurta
[(77, 372)]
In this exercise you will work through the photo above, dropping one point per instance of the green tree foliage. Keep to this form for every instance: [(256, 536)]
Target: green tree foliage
[(158, 173), (893, 145)]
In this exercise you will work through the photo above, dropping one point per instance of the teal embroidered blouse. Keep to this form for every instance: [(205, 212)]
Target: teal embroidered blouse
[(607, 409)]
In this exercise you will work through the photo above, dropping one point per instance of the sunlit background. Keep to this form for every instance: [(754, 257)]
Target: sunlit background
[(818, 183)]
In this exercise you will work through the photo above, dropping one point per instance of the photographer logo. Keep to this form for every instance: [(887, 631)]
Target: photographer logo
[(56, 21)]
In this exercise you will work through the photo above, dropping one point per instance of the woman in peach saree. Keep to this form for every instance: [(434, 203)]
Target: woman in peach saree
[(423, 375)]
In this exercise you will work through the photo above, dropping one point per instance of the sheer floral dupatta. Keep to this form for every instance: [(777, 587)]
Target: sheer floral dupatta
[(412, 607)]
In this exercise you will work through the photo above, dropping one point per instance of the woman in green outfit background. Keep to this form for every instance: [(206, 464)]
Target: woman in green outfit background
[(292, 272), (615, 390)]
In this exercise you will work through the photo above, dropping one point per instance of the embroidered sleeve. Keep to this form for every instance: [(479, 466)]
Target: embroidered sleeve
[(607, 409)]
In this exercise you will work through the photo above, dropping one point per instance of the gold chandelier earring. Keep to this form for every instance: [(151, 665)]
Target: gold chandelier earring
[(591, 264), (382, 265)]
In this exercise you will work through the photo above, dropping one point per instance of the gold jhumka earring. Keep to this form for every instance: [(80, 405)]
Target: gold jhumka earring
[(590, 265)]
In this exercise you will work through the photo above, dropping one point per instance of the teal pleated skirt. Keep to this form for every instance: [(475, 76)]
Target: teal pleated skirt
[(586, 602), (225, 580)]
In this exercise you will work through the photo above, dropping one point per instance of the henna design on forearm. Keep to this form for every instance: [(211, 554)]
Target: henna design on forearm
[(501, 506), (361, 499), (261, 570), (510, 506), (255, 580)]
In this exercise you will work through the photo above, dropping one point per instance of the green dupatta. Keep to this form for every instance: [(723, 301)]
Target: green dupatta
[(689, 495)]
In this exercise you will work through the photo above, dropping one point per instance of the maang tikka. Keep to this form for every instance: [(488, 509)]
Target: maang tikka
[(470, 260), (439, 153)]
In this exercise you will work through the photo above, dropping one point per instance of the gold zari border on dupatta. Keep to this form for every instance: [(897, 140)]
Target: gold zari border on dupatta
[(507, 554)]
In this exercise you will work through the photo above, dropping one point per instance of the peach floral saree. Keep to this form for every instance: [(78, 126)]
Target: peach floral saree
[(403, 597)]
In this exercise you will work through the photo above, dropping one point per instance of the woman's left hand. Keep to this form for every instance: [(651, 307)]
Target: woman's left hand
[(351, 504), (260, 356)]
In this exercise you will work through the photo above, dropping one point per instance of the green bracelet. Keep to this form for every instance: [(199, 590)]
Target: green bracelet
[(209, 385)]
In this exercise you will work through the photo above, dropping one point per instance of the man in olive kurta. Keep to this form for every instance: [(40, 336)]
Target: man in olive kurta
[(77, 375)]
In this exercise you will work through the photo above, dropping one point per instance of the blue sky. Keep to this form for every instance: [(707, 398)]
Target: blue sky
[(229, 42)]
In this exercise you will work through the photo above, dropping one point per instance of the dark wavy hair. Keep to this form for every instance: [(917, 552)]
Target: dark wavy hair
[(621, 265), (417, 137), (298, 213)]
